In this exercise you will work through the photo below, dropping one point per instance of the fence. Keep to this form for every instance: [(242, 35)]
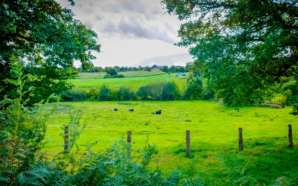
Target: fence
[(187, 150)]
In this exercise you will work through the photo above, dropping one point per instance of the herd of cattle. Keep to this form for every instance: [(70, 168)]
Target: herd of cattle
[(131, 110)]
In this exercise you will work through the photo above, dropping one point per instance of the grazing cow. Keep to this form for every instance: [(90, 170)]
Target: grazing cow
[(157, 112), (130, 110), (115, 109)]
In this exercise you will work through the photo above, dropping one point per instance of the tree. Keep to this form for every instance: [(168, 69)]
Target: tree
[(171, 91), (165, 69), (194, 89), (245, 46), (105, 93), (112, 72), (45, 37)]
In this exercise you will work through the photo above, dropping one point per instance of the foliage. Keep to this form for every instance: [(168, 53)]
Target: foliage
[(125, 93), (165, 69), (112, 72), (194, 89), (45, 37), (75, 95), (152, 91), (245, 46), (22, 129), (171, 91), (94, 93), (105, 93)]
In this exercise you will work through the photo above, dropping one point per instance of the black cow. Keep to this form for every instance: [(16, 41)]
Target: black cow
[(157, 112), (130, 110), (115, 109)]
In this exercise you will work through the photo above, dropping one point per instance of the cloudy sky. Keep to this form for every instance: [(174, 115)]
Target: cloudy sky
[(131, 32)]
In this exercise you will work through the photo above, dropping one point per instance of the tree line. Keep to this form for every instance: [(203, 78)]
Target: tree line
[(168, 69)]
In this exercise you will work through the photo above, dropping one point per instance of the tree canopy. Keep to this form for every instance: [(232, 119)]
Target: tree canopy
[(46, 39), (245, 46)]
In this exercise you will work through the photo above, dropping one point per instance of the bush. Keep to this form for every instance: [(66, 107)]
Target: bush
[(112, 72), (107, 76), (120, 76), (171, 91), (143, 92), (75, 95), (115, 76), (94, 93), (105, 93), (194, 89), (125, 93), (151, 91)]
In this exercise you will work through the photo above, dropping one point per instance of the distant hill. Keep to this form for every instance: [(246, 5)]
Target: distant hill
[(176, 60)]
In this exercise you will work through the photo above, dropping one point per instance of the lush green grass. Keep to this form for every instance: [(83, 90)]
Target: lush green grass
[(134, 79), (214, 136)]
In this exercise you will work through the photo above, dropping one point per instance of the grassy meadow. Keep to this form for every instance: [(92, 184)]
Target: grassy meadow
[(133, 79), (214, 136)]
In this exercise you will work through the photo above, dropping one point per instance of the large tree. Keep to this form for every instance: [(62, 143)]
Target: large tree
[(245, 46), (47, 40)]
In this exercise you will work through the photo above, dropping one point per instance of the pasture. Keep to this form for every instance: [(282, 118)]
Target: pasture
[(213, 129), (133, 79)]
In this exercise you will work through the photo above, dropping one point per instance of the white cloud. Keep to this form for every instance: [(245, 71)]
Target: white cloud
[(129, 31)]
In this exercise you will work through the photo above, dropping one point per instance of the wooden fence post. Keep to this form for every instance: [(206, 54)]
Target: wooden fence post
[(66, 138), (128, 142), (240, 139), (187, 142), (290, 136)]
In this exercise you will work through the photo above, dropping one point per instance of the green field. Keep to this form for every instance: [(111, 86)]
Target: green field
[(133, 79), (214, 136)]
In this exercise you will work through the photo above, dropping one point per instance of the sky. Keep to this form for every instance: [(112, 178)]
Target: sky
[(131, 32)]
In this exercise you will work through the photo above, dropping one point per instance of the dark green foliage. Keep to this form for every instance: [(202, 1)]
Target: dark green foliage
[(45, 37), (290, 90), (208, 93), (165, 69), (120, 76), (171, 91), (151, 91), (125, 93), (246, 47), (114, 76), (112, 72), (143, 93), (194, 89), (75, 95), (147, 68), (105, 93)]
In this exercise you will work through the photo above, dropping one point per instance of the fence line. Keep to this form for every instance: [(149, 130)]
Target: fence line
[(187, 150)]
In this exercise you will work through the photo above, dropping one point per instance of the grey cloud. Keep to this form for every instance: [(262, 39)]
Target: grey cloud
[(99, 17), (125, 6), (136, 29)]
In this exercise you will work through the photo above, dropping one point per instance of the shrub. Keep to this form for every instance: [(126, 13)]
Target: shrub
[(194, 89), (112, 72), (125, 93), (105, 93), (75, 95), (120, 76), (155, 90), (151, 91), (94, 93), (171, 91)]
